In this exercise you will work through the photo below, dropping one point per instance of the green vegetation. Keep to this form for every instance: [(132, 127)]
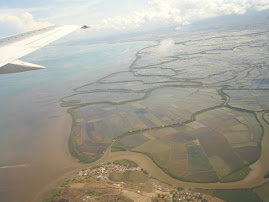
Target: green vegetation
[(115, 176), (144, 171), (64, 183), (131, 141), (168, 172), (220, 138), (197, 159), (81, 157), (262, 191), (204, 191), (138, 177), (130, 176), (69, 103), (126, 162), (266, 117), (245, 195), (55, 192), (72, 145), (251, 100), (95, 167), (209, 144), (237, 175), (180, 188), (115, 149)]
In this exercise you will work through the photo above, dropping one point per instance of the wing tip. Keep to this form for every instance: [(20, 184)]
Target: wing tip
[(19, 66)]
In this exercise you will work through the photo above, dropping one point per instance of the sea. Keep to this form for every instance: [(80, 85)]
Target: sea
[(34, 129)]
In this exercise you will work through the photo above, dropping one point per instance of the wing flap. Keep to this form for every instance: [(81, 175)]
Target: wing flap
[(19, 66)]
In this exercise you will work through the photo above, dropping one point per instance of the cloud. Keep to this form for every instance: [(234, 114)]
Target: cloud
[(103, 16), (14, 21), (175, 12), (165, 47)]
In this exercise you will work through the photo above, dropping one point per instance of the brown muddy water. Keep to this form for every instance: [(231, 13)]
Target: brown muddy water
[(34, 129), (34, 146)]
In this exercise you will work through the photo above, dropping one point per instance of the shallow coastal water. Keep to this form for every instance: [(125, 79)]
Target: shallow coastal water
[(34, 128)]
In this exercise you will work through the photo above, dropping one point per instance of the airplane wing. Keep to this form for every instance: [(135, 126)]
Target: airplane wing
[(13, 48)]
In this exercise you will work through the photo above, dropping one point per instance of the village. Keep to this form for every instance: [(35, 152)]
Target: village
[(106, 169), (161, 192), (182, 196)]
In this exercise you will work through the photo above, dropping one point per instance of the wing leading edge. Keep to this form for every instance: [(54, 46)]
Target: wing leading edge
[(15, 47)]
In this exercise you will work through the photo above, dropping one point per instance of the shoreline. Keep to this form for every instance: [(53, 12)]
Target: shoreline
[(225, 103), (38, 130), (63, 173)]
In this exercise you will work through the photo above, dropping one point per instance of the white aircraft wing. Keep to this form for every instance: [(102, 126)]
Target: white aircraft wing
[(13, 48)]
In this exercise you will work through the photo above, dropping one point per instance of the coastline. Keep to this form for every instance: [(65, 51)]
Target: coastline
[(62, 128), (244, 182), (37, 131)]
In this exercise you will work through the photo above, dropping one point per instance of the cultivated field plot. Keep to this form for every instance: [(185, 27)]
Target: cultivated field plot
[(102, 97), (218, 143), (154, 71), (262, 191), (255, 100), (214, 60), (131, 176), (266, 117), (123, 77), (169, 104), (254, 77), (141, 85), (101, 123)]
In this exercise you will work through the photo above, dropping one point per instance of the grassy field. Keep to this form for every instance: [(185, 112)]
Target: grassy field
[(237, 175), (249, 99), (129, 176), (197, 159), (153, 146), (237, 195), (214, 147), (220, 166), (125, 162), (131, 141), (115, 176), (69, 103), (262, 191), (266, 117), (115, 149), (217, 140), (248, 153), (101, 123), (55, 192), (72, 144), (138, 177)]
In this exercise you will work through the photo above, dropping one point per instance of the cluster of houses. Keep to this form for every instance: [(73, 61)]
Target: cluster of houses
[(189, 196), (181, 196), (106, 169), (164, 193), (160, 188), (177, 195)]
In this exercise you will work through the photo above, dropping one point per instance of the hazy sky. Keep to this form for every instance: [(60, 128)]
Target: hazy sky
[(24, 15)]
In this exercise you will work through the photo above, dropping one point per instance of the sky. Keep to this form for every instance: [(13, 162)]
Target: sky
[(18, 16)]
